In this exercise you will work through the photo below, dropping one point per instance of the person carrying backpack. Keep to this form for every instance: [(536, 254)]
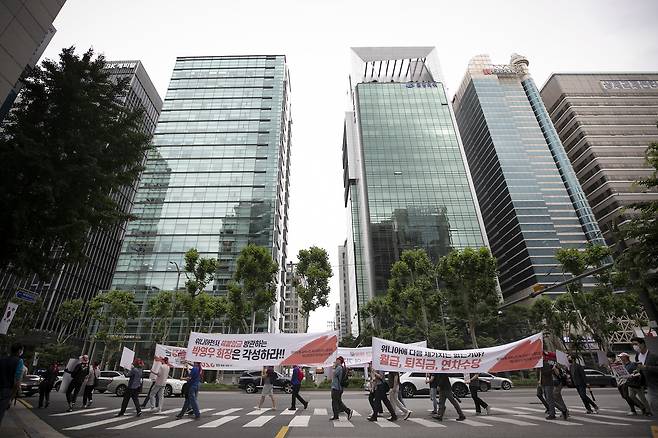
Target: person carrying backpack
[(338, 383), (296, 381), (78, 375)]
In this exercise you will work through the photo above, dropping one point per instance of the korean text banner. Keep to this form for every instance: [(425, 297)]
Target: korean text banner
[(519, 355), (176, 356), (252, 351), (363, 355)]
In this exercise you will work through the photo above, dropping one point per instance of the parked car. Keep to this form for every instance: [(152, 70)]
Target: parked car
[(30, 385), (58, 381), (596, 378), (252, 382), (413, 384), (105, 380), (119, 384), (496, 382)]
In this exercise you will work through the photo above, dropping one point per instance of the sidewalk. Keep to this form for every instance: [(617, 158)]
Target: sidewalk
[(20, 422)]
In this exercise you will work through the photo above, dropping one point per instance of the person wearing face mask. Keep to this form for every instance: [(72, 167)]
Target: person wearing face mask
[(578, 379), (634, 385), (647, 364)]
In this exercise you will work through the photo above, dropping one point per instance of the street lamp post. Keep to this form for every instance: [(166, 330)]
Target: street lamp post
[(177, 271), (443, 320)]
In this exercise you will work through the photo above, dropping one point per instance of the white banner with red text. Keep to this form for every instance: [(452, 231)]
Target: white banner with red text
[(253, 351), (357, 357), (176, 356), (519, 355)]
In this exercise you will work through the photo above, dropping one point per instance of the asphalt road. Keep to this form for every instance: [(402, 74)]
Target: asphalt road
[(516, 413)]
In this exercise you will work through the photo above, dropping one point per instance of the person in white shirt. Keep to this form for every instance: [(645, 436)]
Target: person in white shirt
[(159, 384)]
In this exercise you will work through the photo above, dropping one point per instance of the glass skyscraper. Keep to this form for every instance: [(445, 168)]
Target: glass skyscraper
[(216, 179), (406, 180), (530, 199)]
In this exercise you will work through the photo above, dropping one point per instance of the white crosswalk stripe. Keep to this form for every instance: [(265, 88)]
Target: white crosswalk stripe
[(385, 423), (219, 422), (258, 422), (299, 421), (641, 420), (355, 413), (62, 414), (287, 412), (320, 411), (174, 423), (580, 408), (109, 411), (591, 420), (427, 423), (558, 422), (228, 411), (342, 422), (258, 411), (475, 423), (96, 423), (135, 423), (509, 420), (170, 411)]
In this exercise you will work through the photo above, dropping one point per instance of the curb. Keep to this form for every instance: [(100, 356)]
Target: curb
[(27, 424)]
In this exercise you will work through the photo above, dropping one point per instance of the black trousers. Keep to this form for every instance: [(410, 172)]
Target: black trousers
[(380, 397), (371, 400), (588, 402), (296, 396), (479, 403), (88, 395), (540, 396), (44, 395), (337, 404), (72, 391), (623, 390), (130, 394)]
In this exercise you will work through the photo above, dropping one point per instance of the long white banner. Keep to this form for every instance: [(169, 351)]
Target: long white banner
[(519, 355), (363, 355), (253, 351), (176, 356)]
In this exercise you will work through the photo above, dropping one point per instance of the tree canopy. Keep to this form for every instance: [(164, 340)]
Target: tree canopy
[(312, 275)]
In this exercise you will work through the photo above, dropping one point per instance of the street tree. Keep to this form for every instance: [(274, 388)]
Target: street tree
[(469, 276), (66, 147), (237, 309), (312, 275), (69, 312), (160, 308), (110, 311), (255, 274)]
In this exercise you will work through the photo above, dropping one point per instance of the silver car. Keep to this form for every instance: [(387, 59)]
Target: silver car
[(496, 382), (118, 385)]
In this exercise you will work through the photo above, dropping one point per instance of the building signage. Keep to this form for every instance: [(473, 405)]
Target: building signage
[(26, 295), (501, 69), (629, 85), (421, 85), (111, 65)]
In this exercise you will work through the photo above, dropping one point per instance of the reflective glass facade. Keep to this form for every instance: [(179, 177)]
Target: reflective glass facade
[(407, 184), (531, 203), (216, 180)]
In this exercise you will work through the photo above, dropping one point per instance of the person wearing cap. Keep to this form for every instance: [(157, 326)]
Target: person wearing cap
[(547, 381), (337, 404), (579, 380), (635, 384), (134, 387), (78, 376), (621, 381)]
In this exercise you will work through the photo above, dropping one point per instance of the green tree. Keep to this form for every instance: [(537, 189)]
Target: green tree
[(160, 308), (111, 311), (469, 276), (200, 271), (312, 275), (237, 309), (255, 276), (69, 312), (66, 147)]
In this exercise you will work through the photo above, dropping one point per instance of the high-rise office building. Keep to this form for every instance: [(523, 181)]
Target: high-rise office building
[(345, 326), (26, 28), (216, 180), (84, 280), (530, 199), (605, 122), (293, 320), (406, 180)]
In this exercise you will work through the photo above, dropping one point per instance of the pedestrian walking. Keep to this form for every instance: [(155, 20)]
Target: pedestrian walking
[(433, 380), (11, 370), (445, 392), (338, 383), (474, 388), (380, 396), (647, 364), (296, 382), (635, 384), (193, 382), (156, 397), (621, 379), (134, 388), (90, 384), (268, 376), (547, 379), (78, 376), (559, 382), (376, 410), (579, 381), (152, 376), (47, 384), (394, 394), (540, 396)]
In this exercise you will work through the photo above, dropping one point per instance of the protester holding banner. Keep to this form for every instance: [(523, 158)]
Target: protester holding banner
[(78, 376), (433, 381), (547, 380), (89, 384), (268, 377), (394, 394), (193, 383), (621, 374), (372, 387), (337, 384), (47, 384), (474, 388), (157, 394), (579, 380), (445, 392), (134, 388), (296, 382), (381, 389)]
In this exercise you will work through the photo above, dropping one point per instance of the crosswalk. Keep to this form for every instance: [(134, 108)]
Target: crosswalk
[(521, 416)]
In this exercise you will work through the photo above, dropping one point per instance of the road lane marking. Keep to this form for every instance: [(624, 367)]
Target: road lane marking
[(282, 432), (220, 421), (258, 422), (591, 420), (96, 423), (287, 412), (25, 403), (135, 423), (427, 423), (299, 421), (258, 411), (510, 421), (109, 411), (342, 422), (174, 423), (386, 424), (475, 423), (640, 420), (170, 411), (74, 412), (320, 411), (355, 413), (556, 421), (228, 411)]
